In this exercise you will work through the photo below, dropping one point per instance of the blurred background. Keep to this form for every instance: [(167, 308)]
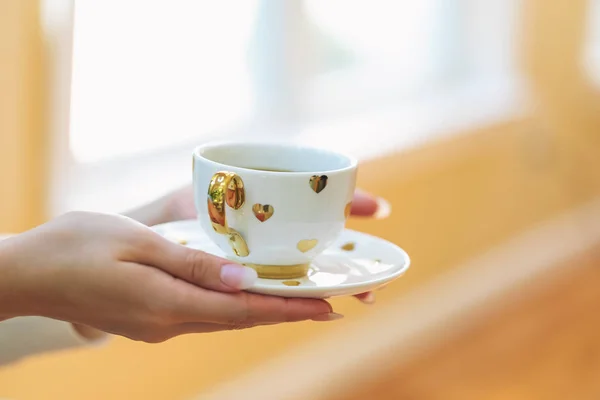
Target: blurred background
[(147, 81), (478, 121)]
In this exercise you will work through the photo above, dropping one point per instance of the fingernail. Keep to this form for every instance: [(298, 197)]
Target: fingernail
[(238, 276), (328, 317), (384, 209), (369, 298)]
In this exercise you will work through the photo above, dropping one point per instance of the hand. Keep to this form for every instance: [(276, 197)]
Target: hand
[(179, 205), (111, 273)]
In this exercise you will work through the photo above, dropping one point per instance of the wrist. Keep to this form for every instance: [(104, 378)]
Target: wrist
[(23, 287), (12, 286)]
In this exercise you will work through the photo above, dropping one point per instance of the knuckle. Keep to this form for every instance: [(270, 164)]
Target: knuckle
[(197, 266), (73, 215), (243, 314), (240, 313), (285, 313), (141, 239)]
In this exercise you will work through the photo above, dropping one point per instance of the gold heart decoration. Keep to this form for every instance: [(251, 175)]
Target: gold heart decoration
[(307, 244), (237, 243), (348, 246), (263, 212), (318, 183)]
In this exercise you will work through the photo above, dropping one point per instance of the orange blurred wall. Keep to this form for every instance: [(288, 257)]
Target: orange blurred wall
[(22, 116)]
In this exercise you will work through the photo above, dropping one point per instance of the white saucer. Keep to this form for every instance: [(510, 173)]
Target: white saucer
[(367, 263)]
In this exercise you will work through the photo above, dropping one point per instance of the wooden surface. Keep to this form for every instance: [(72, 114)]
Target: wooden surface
[(545, 346)]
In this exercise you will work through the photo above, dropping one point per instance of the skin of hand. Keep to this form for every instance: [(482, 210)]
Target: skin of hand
[(110, 273), (179, 205)]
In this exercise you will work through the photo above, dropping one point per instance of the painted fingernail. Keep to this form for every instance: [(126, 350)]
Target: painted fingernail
[(384, 209), (369, 298), (238, 276), (328, 317)]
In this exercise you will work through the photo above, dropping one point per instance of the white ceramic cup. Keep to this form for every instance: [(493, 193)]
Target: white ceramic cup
[(273, 207)]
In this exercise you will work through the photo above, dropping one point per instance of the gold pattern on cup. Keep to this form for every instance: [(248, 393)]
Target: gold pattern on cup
[(348, 246), (177, 240), (318, 183), (238, 244), (280, 271), (227, 188), (291, 283), (263, 212), (347, 210), (305, 245)]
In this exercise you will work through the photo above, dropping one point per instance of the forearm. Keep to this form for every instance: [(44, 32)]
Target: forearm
[(22, 336), (27, 286)]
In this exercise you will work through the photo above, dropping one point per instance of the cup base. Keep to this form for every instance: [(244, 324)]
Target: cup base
[(280, 271)]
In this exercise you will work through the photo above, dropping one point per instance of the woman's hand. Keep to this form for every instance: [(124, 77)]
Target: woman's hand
[(179, 205), (114, 274)]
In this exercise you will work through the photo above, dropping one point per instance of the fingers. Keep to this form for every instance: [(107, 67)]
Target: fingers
[(197, 267), (242, 308), (215, 311), (215, 273), (204, 327), (367, 297), (366, 205)]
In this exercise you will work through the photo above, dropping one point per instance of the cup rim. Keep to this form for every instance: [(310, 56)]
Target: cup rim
[(351, 160)]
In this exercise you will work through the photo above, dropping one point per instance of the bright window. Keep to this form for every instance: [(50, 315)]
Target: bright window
[(152, 79), (150, 74)]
